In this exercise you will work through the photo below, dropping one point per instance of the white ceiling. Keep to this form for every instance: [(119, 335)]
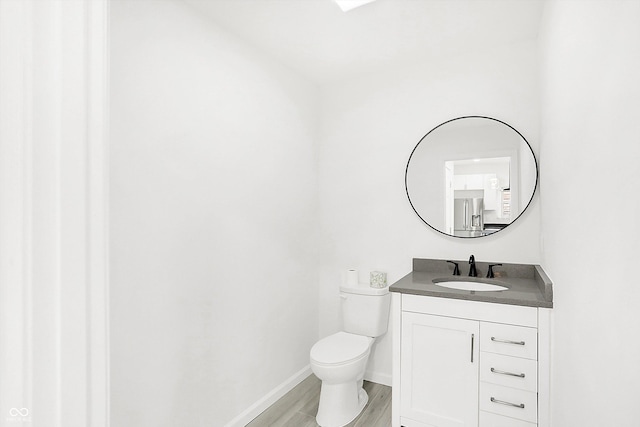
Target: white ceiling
[(325, 44)]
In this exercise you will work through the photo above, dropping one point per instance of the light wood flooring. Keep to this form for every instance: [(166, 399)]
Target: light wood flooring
[(298, 408)]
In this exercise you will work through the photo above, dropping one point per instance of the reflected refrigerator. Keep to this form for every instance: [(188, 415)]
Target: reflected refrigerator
[(468, 217)]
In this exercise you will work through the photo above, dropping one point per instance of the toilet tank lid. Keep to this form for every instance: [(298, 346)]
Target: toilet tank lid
[(364, 289)]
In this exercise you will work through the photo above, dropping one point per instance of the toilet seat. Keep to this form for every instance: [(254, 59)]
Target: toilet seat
[(340, 348)]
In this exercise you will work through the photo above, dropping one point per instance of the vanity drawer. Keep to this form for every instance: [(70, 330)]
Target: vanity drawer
[(518, 341), (509, 402), (473, 310), (488, 419), (509, 371)]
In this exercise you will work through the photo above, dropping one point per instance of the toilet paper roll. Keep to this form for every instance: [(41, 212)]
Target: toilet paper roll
[(352, 277)]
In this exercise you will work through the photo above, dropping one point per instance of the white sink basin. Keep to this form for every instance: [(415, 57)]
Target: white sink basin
[(469, 286)]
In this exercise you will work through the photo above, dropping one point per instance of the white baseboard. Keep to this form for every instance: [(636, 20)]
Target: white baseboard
[(376, 377), (269, 399)]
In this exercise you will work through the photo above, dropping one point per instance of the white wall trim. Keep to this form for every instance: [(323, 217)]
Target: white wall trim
[(270, 398), (378, 377), (15, 206), (97, 49), (54, 212)]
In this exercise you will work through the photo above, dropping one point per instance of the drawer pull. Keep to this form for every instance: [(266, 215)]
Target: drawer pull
[(495, 371), (502, 402), (507, 341)]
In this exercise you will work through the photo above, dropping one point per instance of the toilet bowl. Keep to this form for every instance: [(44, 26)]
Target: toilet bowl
[(339, 360)]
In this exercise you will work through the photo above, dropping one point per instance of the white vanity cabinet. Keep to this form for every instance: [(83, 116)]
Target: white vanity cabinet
[(469, 364), (453, 367)]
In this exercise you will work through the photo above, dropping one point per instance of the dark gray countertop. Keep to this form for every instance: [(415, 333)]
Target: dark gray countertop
[(528, 283)]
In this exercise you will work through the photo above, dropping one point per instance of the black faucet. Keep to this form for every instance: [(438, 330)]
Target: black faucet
[(472, 266), (490, 272), (456, 270)]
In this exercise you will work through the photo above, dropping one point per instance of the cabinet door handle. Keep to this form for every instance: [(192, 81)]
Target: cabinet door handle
[(472, 338), (502, 402), (495, 371), (507, 341)]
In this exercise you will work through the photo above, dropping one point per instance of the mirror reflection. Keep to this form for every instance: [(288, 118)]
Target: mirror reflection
[(471, 176)]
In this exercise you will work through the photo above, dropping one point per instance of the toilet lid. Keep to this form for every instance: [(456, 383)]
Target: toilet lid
[(341, 347)]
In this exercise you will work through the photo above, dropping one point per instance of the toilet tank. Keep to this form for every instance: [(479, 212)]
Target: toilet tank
[(365, 310)]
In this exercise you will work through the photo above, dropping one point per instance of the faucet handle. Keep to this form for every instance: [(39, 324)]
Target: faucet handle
[(490, 272), (456, 270)]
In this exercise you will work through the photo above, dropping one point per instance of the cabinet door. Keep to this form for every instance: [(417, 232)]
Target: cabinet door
[(439, 370)]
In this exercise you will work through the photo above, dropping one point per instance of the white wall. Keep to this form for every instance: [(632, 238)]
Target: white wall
[(370, 125), (213, 220), (590, 207)]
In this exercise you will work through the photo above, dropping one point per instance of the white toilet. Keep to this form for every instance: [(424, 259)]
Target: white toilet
[(339, 360)]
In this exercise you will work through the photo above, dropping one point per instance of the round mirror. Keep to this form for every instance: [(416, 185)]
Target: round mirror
[(471, 176)]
